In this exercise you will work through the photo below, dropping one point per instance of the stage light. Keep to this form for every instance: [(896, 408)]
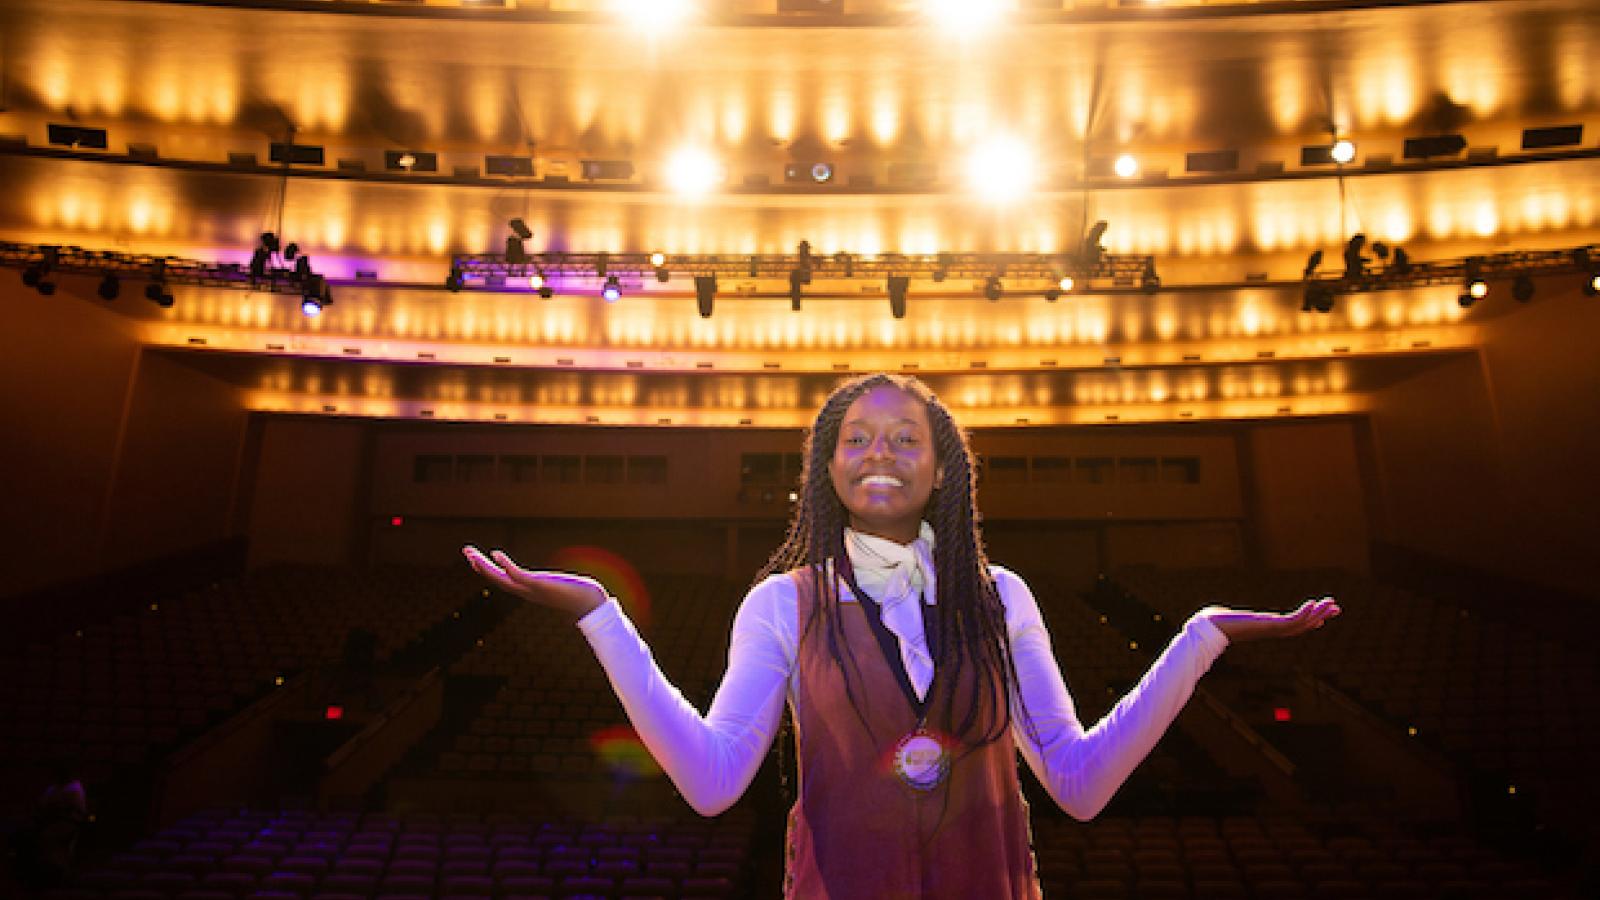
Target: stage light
[(1066, 284), (1317, 297), (516, 254), (992, 288), (693, 171), (1000, 169), (1312, 262), (1092, 250), (1472, 282), (821, 172), (612, 290), (110, 287), (705, 294), (310, 306), (1401, 264), (658, 259), (1125, 166), (1591, 271), (898, 286), (1343, 152), (520, 229), (797, 279), (1522, 287), (1149, 281), (963, 16), (1355, 265), (535, 282), (654, 13)]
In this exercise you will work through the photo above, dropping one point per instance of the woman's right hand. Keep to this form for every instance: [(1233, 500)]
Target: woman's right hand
[(575, 594)]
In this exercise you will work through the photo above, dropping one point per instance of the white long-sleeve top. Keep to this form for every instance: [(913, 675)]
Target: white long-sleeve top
[(711, 759)]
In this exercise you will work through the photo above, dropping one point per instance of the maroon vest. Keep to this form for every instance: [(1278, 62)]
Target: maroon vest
[(857, 832)]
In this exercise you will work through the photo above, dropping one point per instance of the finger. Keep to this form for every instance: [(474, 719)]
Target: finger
[(478, 561), (513, 571)]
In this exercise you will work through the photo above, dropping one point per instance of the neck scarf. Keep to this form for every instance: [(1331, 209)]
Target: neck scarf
[(897, 575)]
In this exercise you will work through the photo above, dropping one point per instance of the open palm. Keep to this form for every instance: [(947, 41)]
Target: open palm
[(575, 594), (1248, 625)]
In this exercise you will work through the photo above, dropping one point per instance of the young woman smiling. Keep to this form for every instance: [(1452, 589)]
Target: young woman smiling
[(914, 671)]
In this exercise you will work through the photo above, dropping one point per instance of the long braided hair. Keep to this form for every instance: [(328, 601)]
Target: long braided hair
[(970, 621)]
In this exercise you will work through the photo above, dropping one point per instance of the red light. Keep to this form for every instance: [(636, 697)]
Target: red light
[(1281, 714), (334, 713), (397, 521)]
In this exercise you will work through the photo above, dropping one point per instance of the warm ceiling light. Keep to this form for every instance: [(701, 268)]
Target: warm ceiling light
[(691, 171), (654, 13), (1343, 152), (1126, 166), (1001, 169), (963, 15)]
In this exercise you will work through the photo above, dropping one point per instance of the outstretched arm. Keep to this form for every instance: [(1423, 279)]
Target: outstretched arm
[(1081, 769), (711, 759)]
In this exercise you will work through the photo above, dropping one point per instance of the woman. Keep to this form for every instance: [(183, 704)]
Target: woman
[(914, 671)]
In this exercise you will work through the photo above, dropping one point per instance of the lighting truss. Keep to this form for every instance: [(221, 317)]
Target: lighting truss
[(1108, 271), (1489, 267), (71, 260)]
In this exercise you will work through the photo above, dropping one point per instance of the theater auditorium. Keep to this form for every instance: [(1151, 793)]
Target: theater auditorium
[(1238, 303)]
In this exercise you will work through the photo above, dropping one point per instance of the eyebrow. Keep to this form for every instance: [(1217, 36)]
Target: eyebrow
[(900, 421)]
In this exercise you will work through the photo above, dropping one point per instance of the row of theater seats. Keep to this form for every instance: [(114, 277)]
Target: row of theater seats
[(1267, 859), (296, 855), (1496, 698), (112, 693), (554, 706)]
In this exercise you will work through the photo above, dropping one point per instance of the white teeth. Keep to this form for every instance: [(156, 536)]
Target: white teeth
[(885, 480)]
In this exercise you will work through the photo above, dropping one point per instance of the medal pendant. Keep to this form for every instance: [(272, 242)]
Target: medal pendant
[(921, 760)]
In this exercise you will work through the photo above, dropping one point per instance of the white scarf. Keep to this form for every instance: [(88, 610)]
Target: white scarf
[(896, 575)]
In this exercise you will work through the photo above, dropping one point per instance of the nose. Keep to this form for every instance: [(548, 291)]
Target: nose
[(879, 448)]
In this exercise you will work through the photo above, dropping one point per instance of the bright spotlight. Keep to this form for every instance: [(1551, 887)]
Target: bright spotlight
[(1066, 284), (1479, 289), (1344, 151), (612, 290), (1126, 166), (654, 13), (692, 171), (658, 259), (965, 15), (535, 282), (1001, 170), (310, 307)]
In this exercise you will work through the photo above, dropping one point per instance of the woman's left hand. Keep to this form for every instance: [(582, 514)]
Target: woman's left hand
[(1248, 625)]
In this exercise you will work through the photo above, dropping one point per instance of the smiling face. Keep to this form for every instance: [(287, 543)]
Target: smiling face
[(884, 466)]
